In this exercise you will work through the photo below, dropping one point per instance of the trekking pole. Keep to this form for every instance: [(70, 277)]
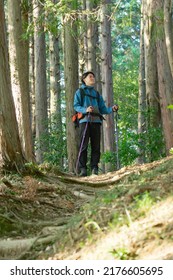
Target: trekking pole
[(116, 140), (81, 145)]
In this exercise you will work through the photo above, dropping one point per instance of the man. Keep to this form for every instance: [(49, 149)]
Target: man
[(91, 104)]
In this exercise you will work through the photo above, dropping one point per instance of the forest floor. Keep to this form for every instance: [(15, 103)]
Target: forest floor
[(127, 214)]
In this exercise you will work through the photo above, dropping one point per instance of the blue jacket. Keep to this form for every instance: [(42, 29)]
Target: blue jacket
[(97, 103)]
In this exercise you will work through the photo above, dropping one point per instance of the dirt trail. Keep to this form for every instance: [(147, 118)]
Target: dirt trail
[(45, 217), (147, 238)]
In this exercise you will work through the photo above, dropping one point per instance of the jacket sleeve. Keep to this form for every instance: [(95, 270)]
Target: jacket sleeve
[(102, 107), (77, 103)]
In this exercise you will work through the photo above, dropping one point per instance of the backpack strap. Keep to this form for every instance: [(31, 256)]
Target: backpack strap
[(83, 94)]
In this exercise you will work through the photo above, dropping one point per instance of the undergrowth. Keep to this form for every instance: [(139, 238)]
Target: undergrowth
[(117, 205), (133, 197)]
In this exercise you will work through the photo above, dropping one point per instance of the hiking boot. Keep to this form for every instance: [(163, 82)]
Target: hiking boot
[(94, 171), (83, 172)]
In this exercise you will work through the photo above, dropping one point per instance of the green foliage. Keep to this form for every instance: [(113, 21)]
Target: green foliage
[(170, 106), (109, 197), (151, 142), (55, 142), (32, 168), (108, 157), (144, 203), (121, 254), (56, 147), (128, 145), (125, 78), (117, 220), (126, 34), (154, 143)]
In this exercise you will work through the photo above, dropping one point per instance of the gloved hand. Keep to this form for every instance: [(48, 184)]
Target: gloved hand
[(115, 108), (89, 109)]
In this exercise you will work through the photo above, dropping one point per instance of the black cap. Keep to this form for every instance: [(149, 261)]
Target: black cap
[(86, 74)]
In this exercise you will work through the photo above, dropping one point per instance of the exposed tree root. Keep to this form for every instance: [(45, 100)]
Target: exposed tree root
[(112, 177), (56, 222), (14, 249)]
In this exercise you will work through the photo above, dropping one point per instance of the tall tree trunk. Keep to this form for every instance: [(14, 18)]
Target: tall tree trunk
[(142, 96), (91, 37), (168, 26), (55, 90), (11, 155), (106, 73), (55, 97), (166, 96), (40, 81), (19, 54), (54, 58), (32, 87), (151, 65), (32, 76), (71, 85), (151, 74), (164, 77), (83, 50)]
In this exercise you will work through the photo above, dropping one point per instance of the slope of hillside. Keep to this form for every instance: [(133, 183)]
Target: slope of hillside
[(126, 214)]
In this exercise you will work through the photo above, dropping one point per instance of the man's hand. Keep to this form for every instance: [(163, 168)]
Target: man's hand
[(89, 109), (115, 108)]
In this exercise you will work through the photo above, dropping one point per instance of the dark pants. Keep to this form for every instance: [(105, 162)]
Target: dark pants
[(93, 133)]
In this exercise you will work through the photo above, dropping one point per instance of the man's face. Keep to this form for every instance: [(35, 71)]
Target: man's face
[(89, 80)]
